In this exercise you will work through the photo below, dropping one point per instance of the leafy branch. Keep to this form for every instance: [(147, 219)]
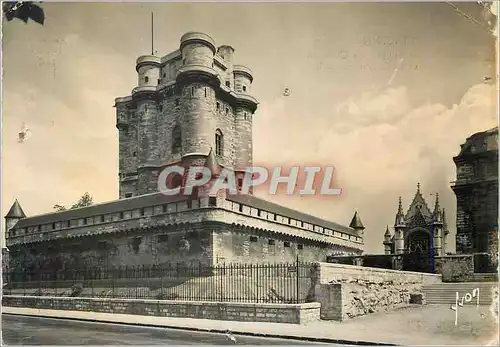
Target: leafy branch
[(23, 10), (85, 200)]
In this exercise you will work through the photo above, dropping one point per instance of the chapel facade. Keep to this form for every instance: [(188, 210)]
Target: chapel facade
[(419, 230)]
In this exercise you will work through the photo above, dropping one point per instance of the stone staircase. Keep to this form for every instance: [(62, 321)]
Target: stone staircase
[(445, 293), (484, 277)]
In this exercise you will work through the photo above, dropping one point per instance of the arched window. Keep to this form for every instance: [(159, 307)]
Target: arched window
[(219, 142), (176, 139), (146, 79)]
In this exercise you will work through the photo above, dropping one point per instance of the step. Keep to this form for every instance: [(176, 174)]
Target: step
[(462, 284), (452, 299), (481, 295), (427, 295), (481, 292), (460, 287), (489, 289), (453, 293)]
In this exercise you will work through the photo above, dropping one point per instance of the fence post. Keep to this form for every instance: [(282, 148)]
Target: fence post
[(257, 282), (220, 282), (136, 271), (113, 282), (161, 269), (297, 283)]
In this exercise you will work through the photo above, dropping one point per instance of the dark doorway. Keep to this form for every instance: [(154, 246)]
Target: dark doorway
[(419, 254)]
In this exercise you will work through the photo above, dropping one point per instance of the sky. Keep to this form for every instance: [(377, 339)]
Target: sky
[(383, 131)]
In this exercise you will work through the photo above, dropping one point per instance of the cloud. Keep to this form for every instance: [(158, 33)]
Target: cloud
[(382, 145), (374, 107), (67, 104)]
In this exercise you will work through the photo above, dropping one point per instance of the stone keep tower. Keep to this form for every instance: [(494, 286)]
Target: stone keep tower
[(186, 103)]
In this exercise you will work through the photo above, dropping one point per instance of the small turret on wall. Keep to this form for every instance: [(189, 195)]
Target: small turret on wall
[(227, 53), (387, 242), (399, 227), (357, 225), (148, 71), (15, 214), (437, 227)]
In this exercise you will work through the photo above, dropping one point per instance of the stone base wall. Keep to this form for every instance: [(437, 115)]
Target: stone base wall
[(455, 268), (339, 272), (240, 245), (347, 291), (191, 244), (249, 312)]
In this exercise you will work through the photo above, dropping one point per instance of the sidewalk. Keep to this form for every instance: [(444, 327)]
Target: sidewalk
[(428, 325)]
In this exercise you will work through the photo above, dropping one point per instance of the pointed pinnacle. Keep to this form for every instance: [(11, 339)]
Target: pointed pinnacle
[(387, 232), (436, 206), (400, 207)]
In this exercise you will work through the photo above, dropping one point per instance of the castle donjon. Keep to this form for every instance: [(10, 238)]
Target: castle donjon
[(191, 107)]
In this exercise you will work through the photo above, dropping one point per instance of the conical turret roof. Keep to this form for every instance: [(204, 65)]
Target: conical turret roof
[(356, 222), (15, 211), (387, 232)]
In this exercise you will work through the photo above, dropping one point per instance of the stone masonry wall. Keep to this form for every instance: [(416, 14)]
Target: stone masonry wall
[(347, 291), (157, 246), (476, 190), (339, 272), (455, 268), (275, 313), (242, 245), (205, 113)]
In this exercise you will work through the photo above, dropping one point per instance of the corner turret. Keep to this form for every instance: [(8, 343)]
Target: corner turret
[(356, 224), (437, 227), (15, 214), (227, 53), (243, 78), (387, 241), (399, 226), (148, 72)]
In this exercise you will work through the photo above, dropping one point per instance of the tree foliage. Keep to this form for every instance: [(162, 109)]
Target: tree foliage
[(85, 200), (23, 10)]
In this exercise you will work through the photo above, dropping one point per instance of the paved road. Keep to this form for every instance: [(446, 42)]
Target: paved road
[(23, 330)]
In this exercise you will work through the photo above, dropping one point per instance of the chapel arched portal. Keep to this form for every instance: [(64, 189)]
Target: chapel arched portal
[(418, 240)]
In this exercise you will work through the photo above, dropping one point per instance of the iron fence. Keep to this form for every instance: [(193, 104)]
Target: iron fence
[(256, 283)]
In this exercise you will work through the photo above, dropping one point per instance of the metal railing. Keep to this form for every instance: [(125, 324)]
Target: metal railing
[(255, 283)]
